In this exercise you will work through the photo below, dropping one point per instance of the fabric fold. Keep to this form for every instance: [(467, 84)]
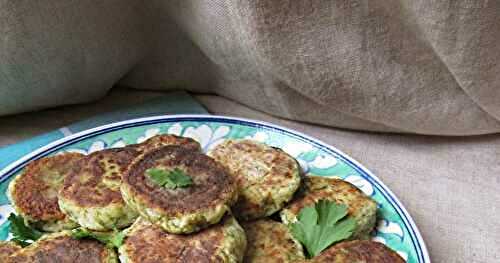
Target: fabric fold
[(425, 67)]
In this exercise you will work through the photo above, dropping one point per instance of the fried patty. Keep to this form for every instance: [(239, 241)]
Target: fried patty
[(267, 177), (34, 193), (361, 207), (148, 243), (7, 249), (61, 248), (358, 251), (270, 242), (91, 192), (168, 139), (180, 210)]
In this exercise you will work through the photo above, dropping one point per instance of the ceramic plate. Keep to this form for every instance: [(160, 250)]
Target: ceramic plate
[(395, 228)]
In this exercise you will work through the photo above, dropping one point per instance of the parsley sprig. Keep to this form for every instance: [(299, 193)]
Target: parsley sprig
[(110, 239), (169, 179), (321, 225), (22, 234)]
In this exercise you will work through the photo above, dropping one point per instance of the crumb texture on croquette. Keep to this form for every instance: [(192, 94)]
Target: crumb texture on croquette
[(91, 192), (34, 193), (361, 208), (96, 178), (180, 210), (148, 243), (7, 249), (358, 251), (168, 139), (270, 242), (60, 247), (267, 177)]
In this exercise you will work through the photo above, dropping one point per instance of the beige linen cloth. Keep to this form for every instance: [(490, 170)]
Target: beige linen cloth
[(420, 66), (408, 66)]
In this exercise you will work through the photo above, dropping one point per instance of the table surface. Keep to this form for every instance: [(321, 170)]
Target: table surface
[(448, 184)]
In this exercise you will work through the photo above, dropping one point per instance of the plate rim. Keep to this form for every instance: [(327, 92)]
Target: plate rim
[(7, 171)]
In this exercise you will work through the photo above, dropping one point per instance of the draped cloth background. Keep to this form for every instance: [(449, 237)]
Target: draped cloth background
[(419, 66)]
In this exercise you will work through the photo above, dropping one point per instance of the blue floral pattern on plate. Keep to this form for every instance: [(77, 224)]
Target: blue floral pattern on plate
[(394, 227)]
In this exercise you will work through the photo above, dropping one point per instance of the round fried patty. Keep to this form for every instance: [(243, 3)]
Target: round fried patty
[(361, 207), (168, 139), (179, 210), (7, 249), (34, 193), (267, 177), (270, 242), (91, 192), (61, 248), (358, 251), (148, 243)]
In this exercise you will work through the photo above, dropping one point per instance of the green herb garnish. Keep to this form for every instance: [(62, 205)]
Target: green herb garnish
[(321, 225), (22, 234), (110, 239), (169, 179)]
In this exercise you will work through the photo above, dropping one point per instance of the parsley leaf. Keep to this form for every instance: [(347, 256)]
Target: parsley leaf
[(169, 179), (110, 239), (321, 225), (22, 234)]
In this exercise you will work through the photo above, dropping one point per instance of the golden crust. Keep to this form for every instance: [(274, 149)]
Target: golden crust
[(168, 139), (7, 249), (267, 177), (270, 242), (211, 183), (96, 178), (34, 193), (361, 207), (60, 247), (358, 251), (148, 243)]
